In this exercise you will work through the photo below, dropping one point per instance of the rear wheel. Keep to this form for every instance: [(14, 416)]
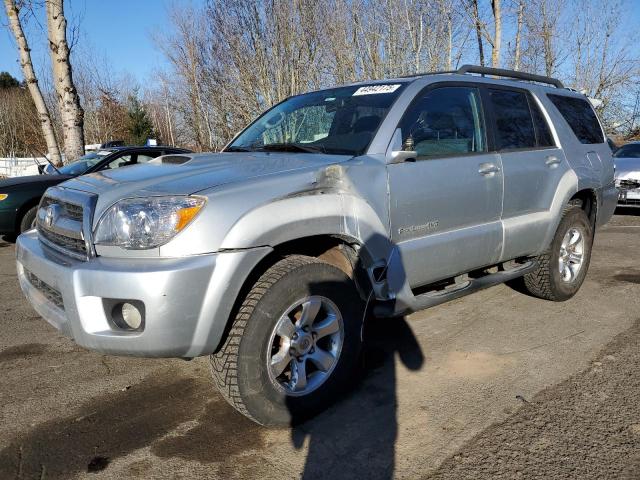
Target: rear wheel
[(28, 220), (294, 344), (563, 267)]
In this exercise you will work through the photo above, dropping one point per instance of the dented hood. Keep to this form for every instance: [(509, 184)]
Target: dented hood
[(197, 173)]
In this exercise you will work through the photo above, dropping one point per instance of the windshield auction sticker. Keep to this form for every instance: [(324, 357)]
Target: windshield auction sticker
[(376, 89)]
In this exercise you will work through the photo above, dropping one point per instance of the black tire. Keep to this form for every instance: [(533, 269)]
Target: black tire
[(546, 281), (240, 368), (28, 219)]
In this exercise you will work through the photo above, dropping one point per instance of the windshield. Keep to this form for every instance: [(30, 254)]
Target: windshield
[(337, 121), (631, 150), (84, 163)]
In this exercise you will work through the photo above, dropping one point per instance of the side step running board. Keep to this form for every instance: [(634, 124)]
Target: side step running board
[(431, 299)]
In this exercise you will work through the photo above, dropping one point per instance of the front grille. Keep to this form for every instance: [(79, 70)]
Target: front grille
[(62, 222), (70, 210), (68, 243), (53, 295), (629, 201)]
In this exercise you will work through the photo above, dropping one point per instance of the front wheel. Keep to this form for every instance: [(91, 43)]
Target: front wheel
[(294, 344), (563, 267), (28, 220)]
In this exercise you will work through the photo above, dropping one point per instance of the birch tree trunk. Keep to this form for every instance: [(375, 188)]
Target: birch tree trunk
[(497, 37), (518, 47), (548, 27), (13, 14), (71, 111)]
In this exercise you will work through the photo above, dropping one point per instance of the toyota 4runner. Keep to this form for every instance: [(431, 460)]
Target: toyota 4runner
[(384, 197)]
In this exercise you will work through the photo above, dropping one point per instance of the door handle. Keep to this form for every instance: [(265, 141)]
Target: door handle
[(552, 161), (488, 169)]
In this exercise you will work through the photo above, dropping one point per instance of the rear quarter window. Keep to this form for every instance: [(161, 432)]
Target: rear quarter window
[(580, 117)]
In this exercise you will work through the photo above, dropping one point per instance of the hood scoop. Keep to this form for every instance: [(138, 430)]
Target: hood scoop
[(172, 159)]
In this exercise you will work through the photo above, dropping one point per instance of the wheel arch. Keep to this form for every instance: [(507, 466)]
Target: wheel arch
[(342, 251), (587, 200), (23, 209)]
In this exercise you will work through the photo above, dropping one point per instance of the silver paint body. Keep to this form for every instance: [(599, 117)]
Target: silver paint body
[(425, 220)]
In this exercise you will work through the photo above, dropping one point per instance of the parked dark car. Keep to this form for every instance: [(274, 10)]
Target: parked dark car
[(19, 197)]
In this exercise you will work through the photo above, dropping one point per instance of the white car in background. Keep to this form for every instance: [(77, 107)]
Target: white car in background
[(627, 160)]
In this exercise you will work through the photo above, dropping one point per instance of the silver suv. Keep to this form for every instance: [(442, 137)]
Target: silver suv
[(379, 198)]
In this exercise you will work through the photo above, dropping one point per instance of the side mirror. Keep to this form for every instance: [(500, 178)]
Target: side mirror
[(399, 153), (401, 156)]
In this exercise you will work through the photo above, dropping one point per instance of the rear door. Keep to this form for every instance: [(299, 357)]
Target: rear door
[(533, 166), (445, 205)]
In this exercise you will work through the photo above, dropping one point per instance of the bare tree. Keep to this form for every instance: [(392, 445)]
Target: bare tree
[(603, 61), (496, 42), (71, 111), (233, 58), (475, 16), (13, 14), (518, 41), (494, 39)]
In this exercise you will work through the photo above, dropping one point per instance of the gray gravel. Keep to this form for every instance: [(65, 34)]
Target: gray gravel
[(443, 394), (588, 427)]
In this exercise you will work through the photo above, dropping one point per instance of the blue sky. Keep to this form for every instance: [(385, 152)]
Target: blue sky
[(118, 29)]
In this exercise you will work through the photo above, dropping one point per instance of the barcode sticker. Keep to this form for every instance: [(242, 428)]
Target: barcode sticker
[(376, 89)]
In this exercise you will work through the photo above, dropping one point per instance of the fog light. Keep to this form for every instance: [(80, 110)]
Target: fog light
[(131, 316), (127, 315)]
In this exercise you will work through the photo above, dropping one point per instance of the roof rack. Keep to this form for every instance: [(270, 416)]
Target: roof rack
[(423, 74), (501, 72), (496, 72)]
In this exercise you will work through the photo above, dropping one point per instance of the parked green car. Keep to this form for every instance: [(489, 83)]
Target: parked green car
[(20, 196)]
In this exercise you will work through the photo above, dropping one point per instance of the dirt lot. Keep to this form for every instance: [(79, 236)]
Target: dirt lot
[(495, 385)]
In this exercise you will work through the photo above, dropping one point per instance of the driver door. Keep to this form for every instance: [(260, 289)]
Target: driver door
[(445, 204)]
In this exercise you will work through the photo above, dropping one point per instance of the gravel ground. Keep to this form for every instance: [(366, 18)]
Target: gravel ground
[(494, 385), (586, 427)]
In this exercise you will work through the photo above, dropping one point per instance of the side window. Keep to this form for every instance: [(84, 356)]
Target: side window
[(580, 117), (142, 158), (118, 162), (445, 121), (543, 134), (514, 125)]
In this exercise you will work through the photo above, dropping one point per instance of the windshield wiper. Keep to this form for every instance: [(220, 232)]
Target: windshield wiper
[(290, 147)]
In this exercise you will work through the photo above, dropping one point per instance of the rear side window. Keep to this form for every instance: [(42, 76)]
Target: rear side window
[(514, 125), (580, 117), (446, 121)]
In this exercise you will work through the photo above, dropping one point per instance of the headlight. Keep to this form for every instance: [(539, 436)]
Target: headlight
[(3, 196), (140, 223)]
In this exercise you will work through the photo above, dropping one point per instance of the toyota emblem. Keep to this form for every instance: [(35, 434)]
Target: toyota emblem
[(50, 215)]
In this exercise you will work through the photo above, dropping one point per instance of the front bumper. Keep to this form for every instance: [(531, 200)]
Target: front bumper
[(187, 301), (629, 198)]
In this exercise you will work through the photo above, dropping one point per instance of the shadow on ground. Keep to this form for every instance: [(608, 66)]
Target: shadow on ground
[(359, 434), (115, 424), (182, 417)]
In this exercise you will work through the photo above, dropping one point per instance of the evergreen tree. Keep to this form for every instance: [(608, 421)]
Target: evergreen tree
[(140, 126), (8, 81)]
